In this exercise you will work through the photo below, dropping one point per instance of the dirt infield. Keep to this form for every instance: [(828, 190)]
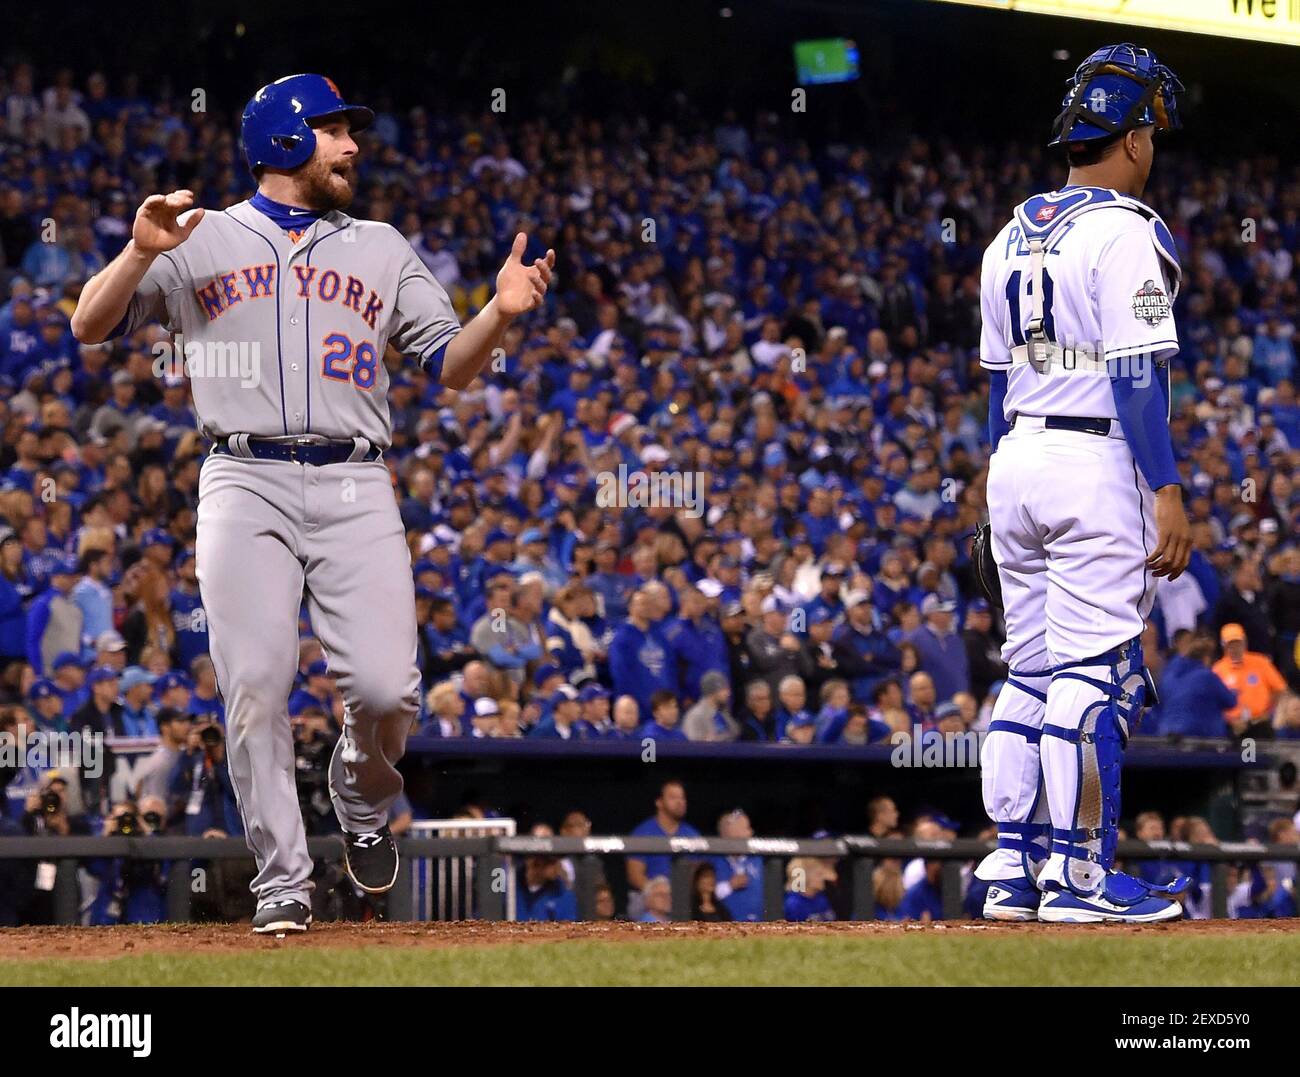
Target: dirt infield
[(198, 939)]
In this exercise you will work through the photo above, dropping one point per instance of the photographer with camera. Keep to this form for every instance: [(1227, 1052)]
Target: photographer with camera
[(46, 811), (120, 890), (202, 801), (201, 778), (314, 737), (46, 814), (153, 813)]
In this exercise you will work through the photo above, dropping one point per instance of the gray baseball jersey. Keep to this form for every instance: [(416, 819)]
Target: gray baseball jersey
[(284, 333), (288, 337)]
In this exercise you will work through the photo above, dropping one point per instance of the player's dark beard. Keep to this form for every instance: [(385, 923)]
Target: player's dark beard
[(327, 187)]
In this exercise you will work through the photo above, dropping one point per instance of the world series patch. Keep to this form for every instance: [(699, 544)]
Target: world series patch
[(1150, 304)]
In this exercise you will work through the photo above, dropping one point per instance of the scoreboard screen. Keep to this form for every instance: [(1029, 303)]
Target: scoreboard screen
[(833, 59)]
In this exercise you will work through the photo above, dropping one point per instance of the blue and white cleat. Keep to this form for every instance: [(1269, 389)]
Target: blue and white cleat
[(1121, 899), (1013, 900)]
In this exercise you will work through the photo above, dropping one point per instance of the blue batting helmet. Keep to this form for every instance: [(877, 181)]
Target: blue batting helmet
[(1116, 89), (277, 126)]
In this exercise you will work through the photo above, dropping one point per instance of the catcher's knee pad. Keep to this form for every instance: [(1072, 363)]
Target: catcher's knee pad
[(1082, 765), (1011, 777)]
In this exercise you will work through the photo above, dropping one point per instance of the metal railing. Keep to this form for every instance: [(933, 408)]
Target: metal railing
[(492, 857), (445, 887), (181, 853)]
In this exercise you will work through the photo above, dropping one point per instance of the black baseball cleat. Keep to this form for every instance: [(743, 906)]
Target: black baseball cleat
[(371, 860), (279, 917)]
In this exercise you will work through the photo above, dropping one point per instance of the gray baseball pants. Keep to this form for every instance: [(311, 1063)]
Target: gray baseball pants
[(267, 530)]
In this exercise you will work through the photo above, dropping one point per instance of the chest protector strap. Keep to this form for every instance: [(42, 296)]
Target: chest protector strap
[(1042, 220)]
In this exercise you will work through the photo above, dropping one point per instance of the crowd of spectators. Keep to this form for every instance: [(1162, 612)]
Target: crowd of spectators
[(779, 337), (730, 888)]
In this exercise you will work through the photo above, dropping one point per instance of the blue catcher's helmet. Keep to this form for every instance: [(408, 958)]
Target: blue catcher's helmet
[(1116, 89), (277, 126)]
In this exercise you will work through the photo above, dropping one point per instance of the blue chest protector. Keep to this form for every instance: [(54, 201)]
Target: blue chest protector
[(1043, 217)]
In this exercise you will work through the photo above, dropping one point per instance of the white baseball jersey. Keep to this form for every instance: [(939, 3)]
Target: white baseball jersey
[(1077, 279), (1109, 277), (285, 332)]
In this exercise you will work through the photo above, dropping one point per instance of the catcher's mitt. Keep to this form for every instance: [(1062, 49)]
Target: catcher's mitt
[(985, 568)]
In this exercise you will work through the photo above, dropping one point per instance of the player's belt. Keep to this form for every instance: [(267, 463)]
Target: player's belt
[(1079, 424), (311, 449)]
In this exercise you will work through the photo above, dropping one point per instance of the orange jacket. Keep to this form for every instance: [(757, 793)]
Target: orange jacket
[(1256, 681)]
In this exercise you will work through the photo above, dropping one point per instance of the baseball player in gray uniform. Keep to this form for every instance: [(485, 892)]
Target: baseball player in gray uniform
[(295, 495)]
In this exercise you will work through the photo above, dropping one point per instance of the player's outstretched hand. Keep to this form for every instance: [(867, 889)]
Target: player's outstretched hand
[(521, 288), (158, 226), (1173, 534)]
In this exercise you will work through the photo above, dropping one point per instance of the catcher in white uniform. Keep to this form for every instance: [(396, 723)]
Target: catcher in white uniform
[(1085, 504)]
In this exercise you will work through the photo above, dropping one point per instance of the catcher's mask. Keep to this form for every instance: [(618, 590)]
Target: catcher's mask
[(1116, 89)]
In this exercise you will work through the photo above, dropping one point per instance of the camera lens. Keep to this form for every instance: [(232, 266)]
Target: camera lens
[(51, 803), (128, 823), (153, 820)]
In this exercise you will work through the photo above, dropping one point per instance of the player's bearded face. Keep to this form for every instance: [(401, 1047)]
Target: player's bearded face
[(326, 182), (327, 179)]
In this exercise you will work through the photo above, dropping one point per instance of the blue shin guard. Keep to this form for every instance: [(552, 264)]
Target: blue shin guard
[(1082, 769)]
